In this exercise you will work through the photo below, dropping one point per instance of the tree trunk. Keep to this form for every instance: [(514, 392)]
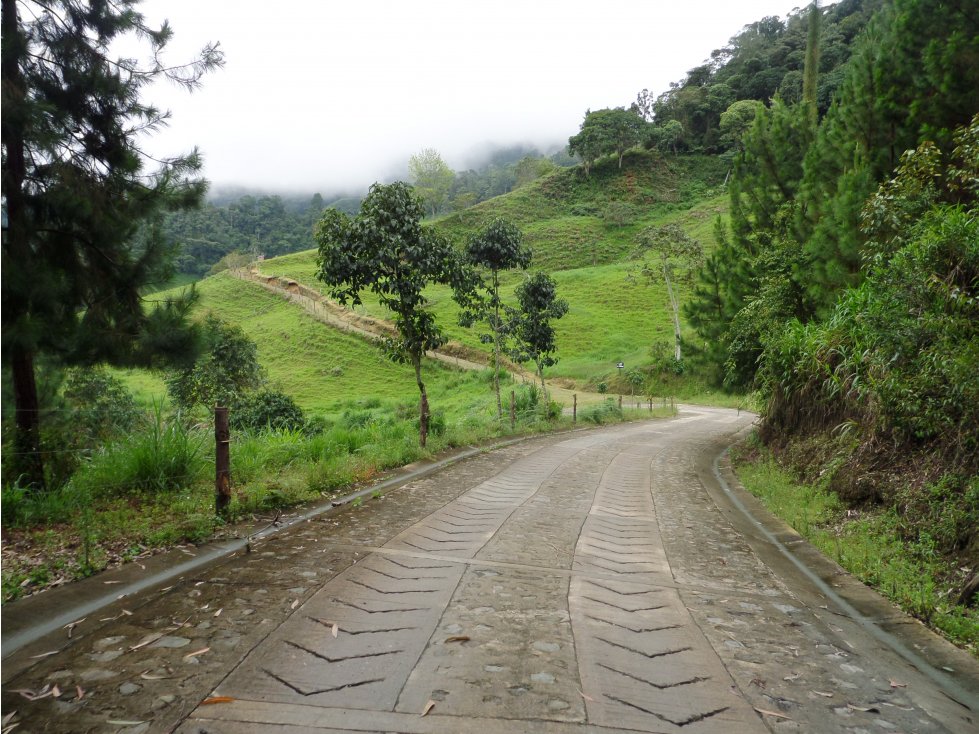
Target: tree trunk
[(540, 374), (28, 464), (423, 403), (675, 307), (496, 344), (27, 442)]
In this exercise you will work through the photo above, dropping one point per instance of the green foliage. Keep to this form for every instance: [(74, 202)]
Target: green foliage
[(765, 60), (912, 78), (102, 406), (675, 258), (737, 119), (431, 178), (498, 248), (386, 251), (606, 132), (244, 228), (234, 260), (226, 370), (605, 412), (81, 236), (898, 353), (165, 456), (534, 335), (266, 410)]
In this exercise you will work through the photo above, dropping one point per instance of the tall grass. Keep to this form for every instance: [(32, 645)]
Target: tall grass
[(164, 457)]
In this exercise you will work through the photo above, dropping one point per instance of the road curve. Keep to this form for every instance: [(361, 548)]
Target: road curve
[(592, 582)]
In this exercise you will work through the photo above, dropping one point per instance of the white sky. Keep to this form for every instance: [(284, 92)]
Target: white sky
[(324, 96)]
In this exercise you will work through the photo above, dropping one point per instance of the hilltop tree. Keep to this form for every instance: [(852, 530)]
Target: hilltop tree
[(385, 250), (498, 247), (432, 179), (587, 145), (83, 238), (531, 323), (607, 132)]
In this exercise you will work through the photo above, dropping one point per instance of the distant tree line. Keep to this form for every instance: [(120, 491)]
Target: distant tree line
[(252, 225), (265, 224)]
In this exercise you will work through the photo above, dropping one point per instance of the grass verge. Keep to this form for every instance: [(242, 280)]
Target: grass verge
[(867, 543)]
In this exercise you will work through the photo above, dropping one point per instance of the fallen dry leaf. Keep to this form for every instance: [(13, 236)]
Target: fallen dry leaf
[(823, 694), (585, 696), (81, 693), (871, 710), (145, 675), (458, 638), (218, 612), (148, 640), (6, 719), (216, 699), (111, 582), (895, 684), (773, 713), (121, 722), (71, 626), (794, 676), (11, 728), (295, 603), (428, 707), (56, 692), (45, 654), (335, 629), (25, 693), (194, 654)]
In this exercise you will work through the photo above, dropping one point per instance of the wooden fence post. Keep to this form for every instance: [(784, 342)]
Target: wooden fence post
[(513, 410), (222, 460), (574, 409)]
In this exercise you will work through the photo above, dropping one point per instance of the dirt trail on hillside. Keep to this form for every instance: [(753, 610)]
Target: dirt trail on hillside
[(330, 312)]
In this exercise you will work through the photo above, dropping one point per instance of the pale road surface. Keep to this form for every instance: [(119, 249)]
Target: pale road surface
[(596, 581)]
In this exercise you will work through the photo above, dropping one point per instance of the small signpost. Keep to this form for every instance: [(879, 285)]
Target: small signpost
[(620, 366)]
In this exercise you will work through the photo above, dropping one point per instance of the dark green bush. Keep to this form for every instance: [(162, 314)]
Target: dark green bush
[(267, 409)]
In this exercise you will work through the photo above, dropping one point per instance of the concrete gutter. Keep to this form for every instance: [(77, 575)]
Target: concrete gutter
[(782, 548)]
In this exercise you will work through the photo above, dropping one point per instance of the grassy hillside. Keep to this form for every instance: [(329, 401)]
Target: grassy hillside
[(612, 318), (321, 368), (572, 220), (582, 230)]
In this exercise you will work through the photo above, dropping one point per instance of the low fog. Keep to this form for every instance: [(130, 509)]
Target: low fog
[(326, 97)]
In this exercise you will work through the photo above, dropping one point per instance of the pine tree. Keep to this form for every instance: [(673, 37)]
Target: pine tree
[(913, 76), (83, 237)]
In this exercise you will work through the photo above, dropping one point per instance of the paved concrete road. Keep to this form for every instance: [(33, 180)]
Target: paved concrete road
[(595, 582)]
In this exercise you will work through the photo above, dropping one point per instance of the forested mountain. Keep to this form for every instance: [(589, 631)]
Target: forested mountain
[(765, 60)]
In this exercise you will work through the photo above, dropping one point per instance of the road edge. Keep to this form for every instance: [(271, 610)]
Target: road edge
[(954, 671)]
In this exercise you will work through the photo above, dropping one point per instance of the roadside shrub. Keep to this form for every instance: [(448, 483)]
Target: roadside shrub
[(267, 409), (601, 413), (102, 405), (436, 422), (165, 456), (23, 507)]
